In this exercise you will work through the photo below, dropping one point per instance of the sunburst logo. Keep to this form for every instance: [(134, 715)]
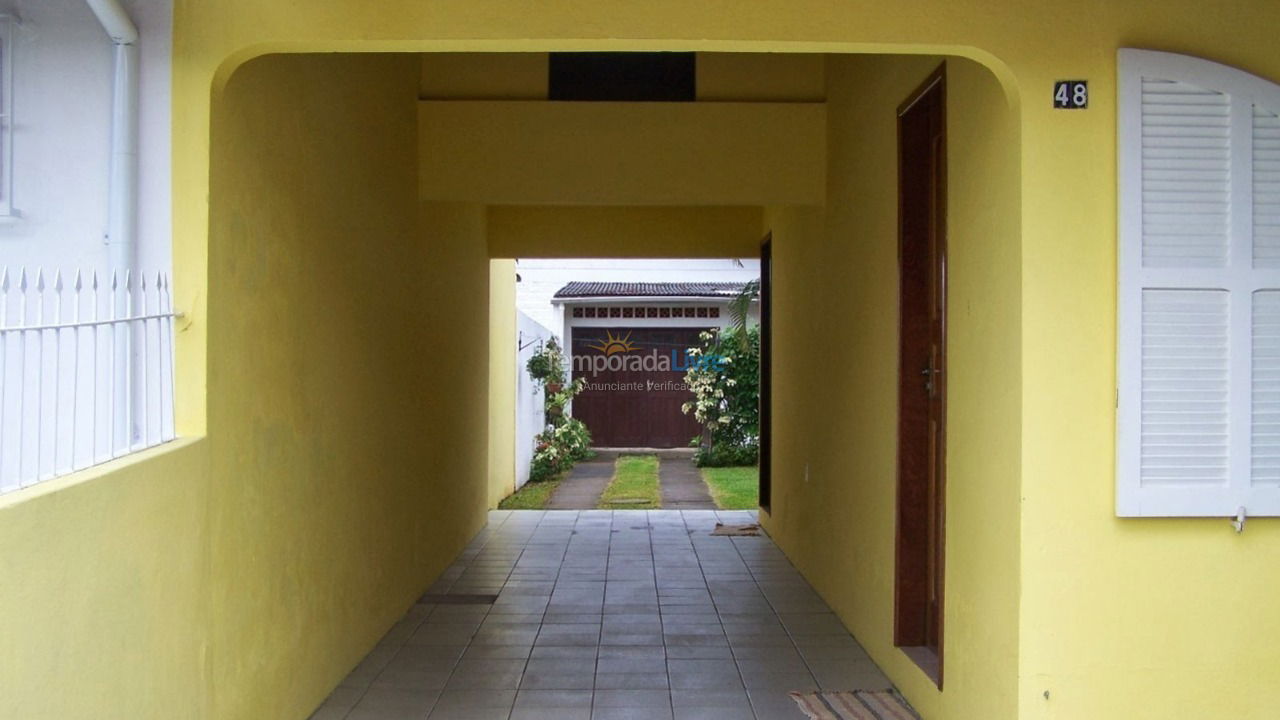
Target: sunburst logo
[(612, 345)]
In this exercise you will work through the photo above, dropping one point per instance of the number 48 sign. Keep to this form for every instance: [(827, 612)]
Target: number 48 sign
[(1071, 94)]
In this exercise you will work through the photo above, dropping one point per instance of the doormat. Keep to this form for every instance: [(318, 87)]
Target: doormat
[(857, 705), (736, 530), (457, 599)]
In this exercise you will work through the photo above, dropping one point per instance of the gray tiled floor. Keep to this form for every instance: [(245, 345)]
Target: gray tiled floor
[(609, 615)]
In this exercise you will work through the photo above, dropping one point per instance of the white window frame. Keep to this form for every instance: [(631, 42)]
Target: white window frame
[(1240, 279)]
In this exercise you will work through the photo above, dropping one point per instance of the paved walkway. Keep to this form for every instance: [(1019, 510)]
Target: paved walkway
[(582, 487), (681, 482), (682, 485), (608, 615)]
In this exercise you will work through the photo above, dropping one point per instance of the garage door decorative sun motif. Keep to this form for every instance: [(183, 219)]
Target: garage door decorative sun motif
[(612, 345)]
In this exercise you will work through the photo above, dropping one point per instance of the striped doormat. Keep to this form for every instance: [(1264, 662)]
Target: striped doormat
[(857, 705)]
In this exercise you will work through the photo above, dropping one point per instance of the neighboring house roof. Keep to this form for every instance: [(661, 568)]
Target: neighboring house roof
[(724, 290)]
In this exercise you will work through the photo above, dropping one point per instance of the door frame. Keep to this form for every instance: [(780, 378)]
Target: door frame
[(765, 457), (916, 499)]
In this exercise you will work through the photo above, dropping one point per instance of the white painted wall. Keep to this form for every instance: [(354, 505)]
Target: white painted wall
[(62, 72), (541, 278), (59, 393), (529, 405)]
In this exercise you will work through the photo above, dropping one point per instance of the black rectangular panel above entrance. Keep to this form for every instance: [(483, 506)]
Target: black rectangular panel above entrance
[(623, 76)]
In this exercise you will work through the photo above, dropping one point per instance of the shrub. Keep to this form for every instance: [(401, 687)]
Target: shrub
[(547, 462), (727, 455), (573, 438), (724, 375), (559, 447)]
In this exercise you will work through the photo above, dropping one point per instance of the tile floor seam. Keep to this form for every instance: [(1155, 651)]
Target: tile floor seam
[(733, 656), (662, 625), (791, 635), (608, 557), (490, 534), (400, 646)]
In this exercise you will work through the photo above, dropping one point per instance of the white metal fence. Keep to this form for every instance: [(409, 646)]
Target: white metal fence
[(86, 371)]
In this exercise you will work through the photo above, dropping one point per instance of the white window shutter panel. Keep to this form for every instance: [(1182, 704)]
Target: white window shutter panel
[(1265, 393), (1198, 397), (1266, 188), (1186, 168)]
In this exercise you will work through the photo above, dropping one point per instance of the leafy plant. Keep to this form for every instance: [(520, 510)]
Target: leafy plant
[(724, 375), (556, 401), (573, 438), (722, 455), (740, 306), (546, 366), (558, 448)]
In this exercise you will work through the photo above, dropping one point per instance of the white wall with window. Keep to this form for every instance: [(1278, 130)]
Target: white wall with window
[(86, 365), (59, 119)]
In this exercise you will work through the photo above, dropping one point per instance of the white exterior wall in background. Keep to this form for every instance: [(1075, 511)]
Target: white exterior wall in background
[(529, 410), (62, 74), (541, 278)]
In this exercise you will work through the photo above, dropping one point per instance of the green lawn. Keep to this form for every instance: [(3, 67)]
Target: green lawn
[(734, 488), (635, 477), (533, 496)]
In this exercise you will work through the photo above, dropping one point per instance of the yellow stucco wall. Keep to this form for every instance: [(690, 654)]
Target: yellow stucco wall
[(773, 77), (483, 76), (502, 379), (834, 481), (761, 77), (103, 591), (614, 153), (1115, 618), (586, 231), (1121, 618), (242, 574), (342, 376)]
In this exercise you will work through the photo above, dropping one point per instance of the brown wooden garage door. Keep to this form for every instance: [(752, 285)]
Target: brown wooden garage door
[(629, 406)]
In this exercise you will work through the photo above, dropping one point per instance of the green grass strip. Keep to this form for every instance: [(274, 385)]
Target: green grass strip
[(532, 495), (634, 485), (734, 488)]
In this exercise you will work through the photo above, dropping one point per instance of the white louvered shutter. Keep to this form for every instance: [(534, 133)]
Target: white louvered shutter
[(1198, 402)]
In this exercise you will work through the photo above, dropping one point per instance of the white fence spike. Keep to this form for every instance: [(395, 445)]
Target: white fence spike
[(79, 284), (4, 281), (57, 282)]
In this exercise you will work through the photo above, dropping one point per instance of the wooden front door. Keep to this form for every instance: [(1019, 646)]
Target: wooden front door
[(922, 370), (628, 406)]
